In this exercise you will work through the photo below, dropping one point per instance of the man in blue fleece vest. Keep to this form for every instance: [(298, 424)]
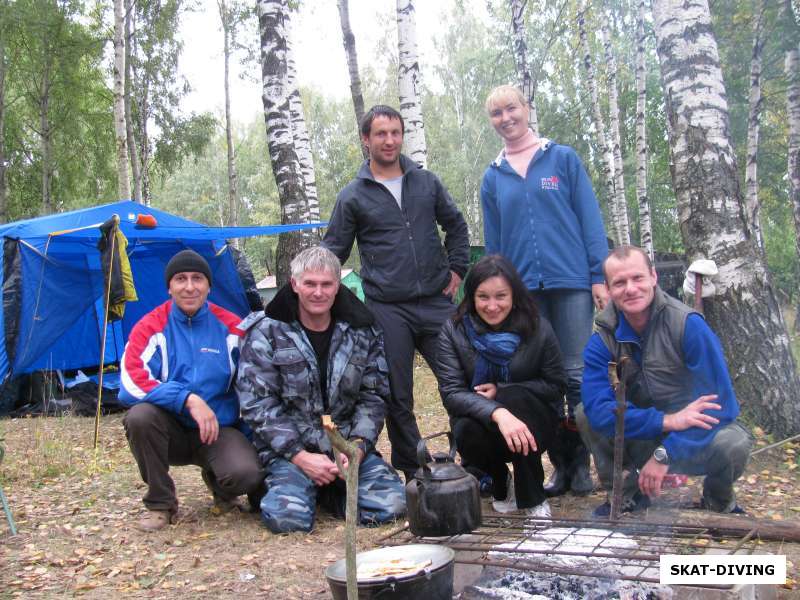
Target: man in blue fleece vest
[(681, 408)]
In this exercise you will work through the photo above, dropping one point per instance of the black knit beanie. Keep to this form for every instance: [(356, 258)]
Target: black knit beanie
[(187, 261)]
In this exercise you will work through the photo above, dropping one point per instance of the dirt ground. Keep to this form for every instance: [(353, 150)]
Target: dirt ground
[(74, 509)]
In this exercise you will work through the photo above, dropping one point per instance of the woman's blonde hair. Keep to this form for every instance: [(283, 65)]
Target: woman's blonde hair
[(503, 93)]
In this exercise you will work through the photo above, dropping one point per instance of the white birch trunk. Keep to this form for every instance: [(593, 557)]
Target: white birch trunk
[(408, 79), (526, 82), (745, 312), (792, 72), (349, 41), (752, 205), (133, 155), (607, 156), (613, 109), (645, 226), (273, 18), (46, 134), (233, 200), (120, 131), (302, 146)]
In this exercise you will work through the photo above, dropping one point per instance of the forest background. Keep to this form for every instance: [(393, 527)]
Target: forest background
[(94, 106)]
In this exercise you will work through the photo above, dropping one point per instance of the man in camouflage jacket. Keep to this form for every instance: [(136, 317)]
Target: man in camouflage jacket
[(315, 350)]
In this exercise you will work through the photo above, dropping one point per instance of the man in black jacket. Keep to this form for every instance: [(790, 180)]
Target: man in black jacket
[(392, 208)]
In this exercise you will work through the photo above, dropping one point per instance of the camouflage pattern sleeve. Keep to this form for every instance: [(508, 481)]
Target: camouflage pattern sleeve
[(371, 408), (258, 386)]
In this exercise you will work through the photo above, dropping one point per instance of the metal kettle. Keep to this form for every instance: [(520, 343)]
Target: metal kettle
[(442, 499)]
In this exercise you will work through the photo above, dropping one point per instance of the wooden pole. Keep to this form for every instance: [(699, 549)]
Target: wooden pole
[(350, 450), (619, 439), (727, 525)]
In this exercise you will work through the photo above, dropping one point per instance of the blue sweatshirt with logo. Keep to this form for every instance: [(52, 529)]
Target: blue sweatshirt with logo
[(549, 223)]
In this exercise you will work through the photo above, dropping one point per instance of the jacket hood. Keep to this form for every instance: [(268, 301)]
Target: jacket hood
[(406, 164), (346, 307), (608, 318)]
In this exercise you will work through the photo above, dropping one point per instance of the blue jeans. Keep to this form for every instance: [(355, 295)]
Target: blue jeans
[(570, 312)]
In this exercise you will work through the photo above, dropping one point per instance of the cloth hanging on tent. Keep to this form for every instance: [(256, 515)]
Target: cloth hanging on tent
[(113, 247)]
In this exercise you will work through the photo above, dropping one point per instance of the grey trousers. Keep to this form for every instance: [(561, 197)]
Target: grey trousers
[(408, 326), (722, 462)]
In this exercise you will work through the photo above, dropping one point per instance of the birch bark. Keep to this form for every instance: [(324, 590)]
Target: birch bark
[(349, 41), (302, 146), (408, 77), (613, 109), (745, 312), (527, 85), (645, 226), (133, 155), (607, 156), (3, 159), (123, 179), (752, 205), (233, 201), (273, 18), (792, 72)]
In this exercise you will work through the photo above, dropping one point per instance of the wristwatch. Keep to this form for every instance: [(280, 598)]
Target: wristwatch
[(660, 455)]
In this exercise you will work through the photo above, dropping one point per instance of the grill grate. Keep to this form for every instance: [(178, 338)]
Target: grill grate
[(625, 550)]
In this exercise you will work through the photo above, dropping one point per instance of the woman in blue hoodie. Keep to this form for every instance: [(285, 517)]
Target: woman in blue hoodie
[(540, 212)]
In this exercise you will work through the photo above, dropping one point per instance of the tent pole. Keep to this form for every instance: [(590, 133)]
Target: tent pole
[(105, 333)]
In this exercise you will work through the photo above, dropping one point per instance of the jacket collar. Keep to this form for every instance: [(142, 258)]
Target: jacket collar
[(182, 317), (406, 164), (346, 307), (546, 144)]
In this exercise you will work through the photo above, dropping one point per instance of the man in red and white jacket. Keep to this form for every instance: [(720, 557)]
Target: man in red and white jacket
[(177, 374)]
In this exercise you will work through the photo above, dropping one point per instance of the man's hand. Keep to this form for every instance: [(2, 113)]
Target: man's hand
[(651, 476), (452, 287), (692, 415), (346, 462), (487, 390), (600, 295), (518, 437), (318, 467), (204, 417)]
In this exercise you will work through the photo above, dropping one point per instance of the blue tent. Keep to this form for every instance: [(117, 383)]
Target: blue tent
[(53, 284)]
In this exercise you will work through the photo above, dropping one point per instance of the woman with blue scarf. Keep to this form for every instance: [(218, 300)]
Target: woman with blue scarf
[(502, 382)]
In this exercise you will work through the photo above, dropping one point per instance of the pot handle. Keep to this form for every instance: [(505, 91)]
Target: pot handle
[(422, 451)]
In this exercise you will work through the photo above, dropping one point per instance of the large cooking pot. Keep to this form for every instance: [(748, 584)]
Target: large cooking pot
[(433, 582), (442, 499)]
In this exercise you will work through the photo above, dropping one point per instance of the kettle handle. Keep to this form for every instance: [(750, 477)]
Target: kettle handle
[(422, 450)]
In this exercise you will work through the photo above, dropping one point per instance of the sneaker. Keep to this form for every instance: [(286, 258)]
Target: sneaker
[(634, 504), (540, 511), (510, 503), (154, 520)]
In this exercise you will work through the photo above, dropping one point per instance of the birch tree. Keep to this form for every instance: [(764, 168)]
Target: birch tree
[(349, 41), (607, 156), (408, 79), (226, 17), (130, 137), (745, 312), (120, 131), (302, 146), (752, 204), (616, 144), (645, 226), (273, 18), (526, 82), (791, 37), (3, 159)]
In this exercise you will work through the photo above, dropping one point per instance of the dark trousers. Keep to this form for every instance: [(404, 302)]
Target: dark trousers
[(158, 440), (483, 446), (408, 326)]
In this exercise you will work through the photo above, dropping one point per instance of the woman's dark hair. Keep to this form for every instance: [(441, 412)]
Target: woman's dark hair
[(524, 316)]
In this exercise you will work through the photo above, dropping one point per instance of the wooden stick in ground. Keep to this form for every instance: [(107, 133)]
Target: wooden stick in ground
[(350, 450), (619, 441), (727, 525)]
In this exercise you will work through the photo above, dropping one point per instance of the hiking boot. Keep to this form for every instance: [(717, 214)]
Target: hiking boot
[(154, 520), (634, 504), (222, 505), (540, 511), (510, 503), (580, 481)]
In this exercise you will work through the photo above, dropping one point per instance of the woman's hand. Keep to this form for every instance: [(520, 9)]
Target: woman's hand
[(487, 390), (518, 437)]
